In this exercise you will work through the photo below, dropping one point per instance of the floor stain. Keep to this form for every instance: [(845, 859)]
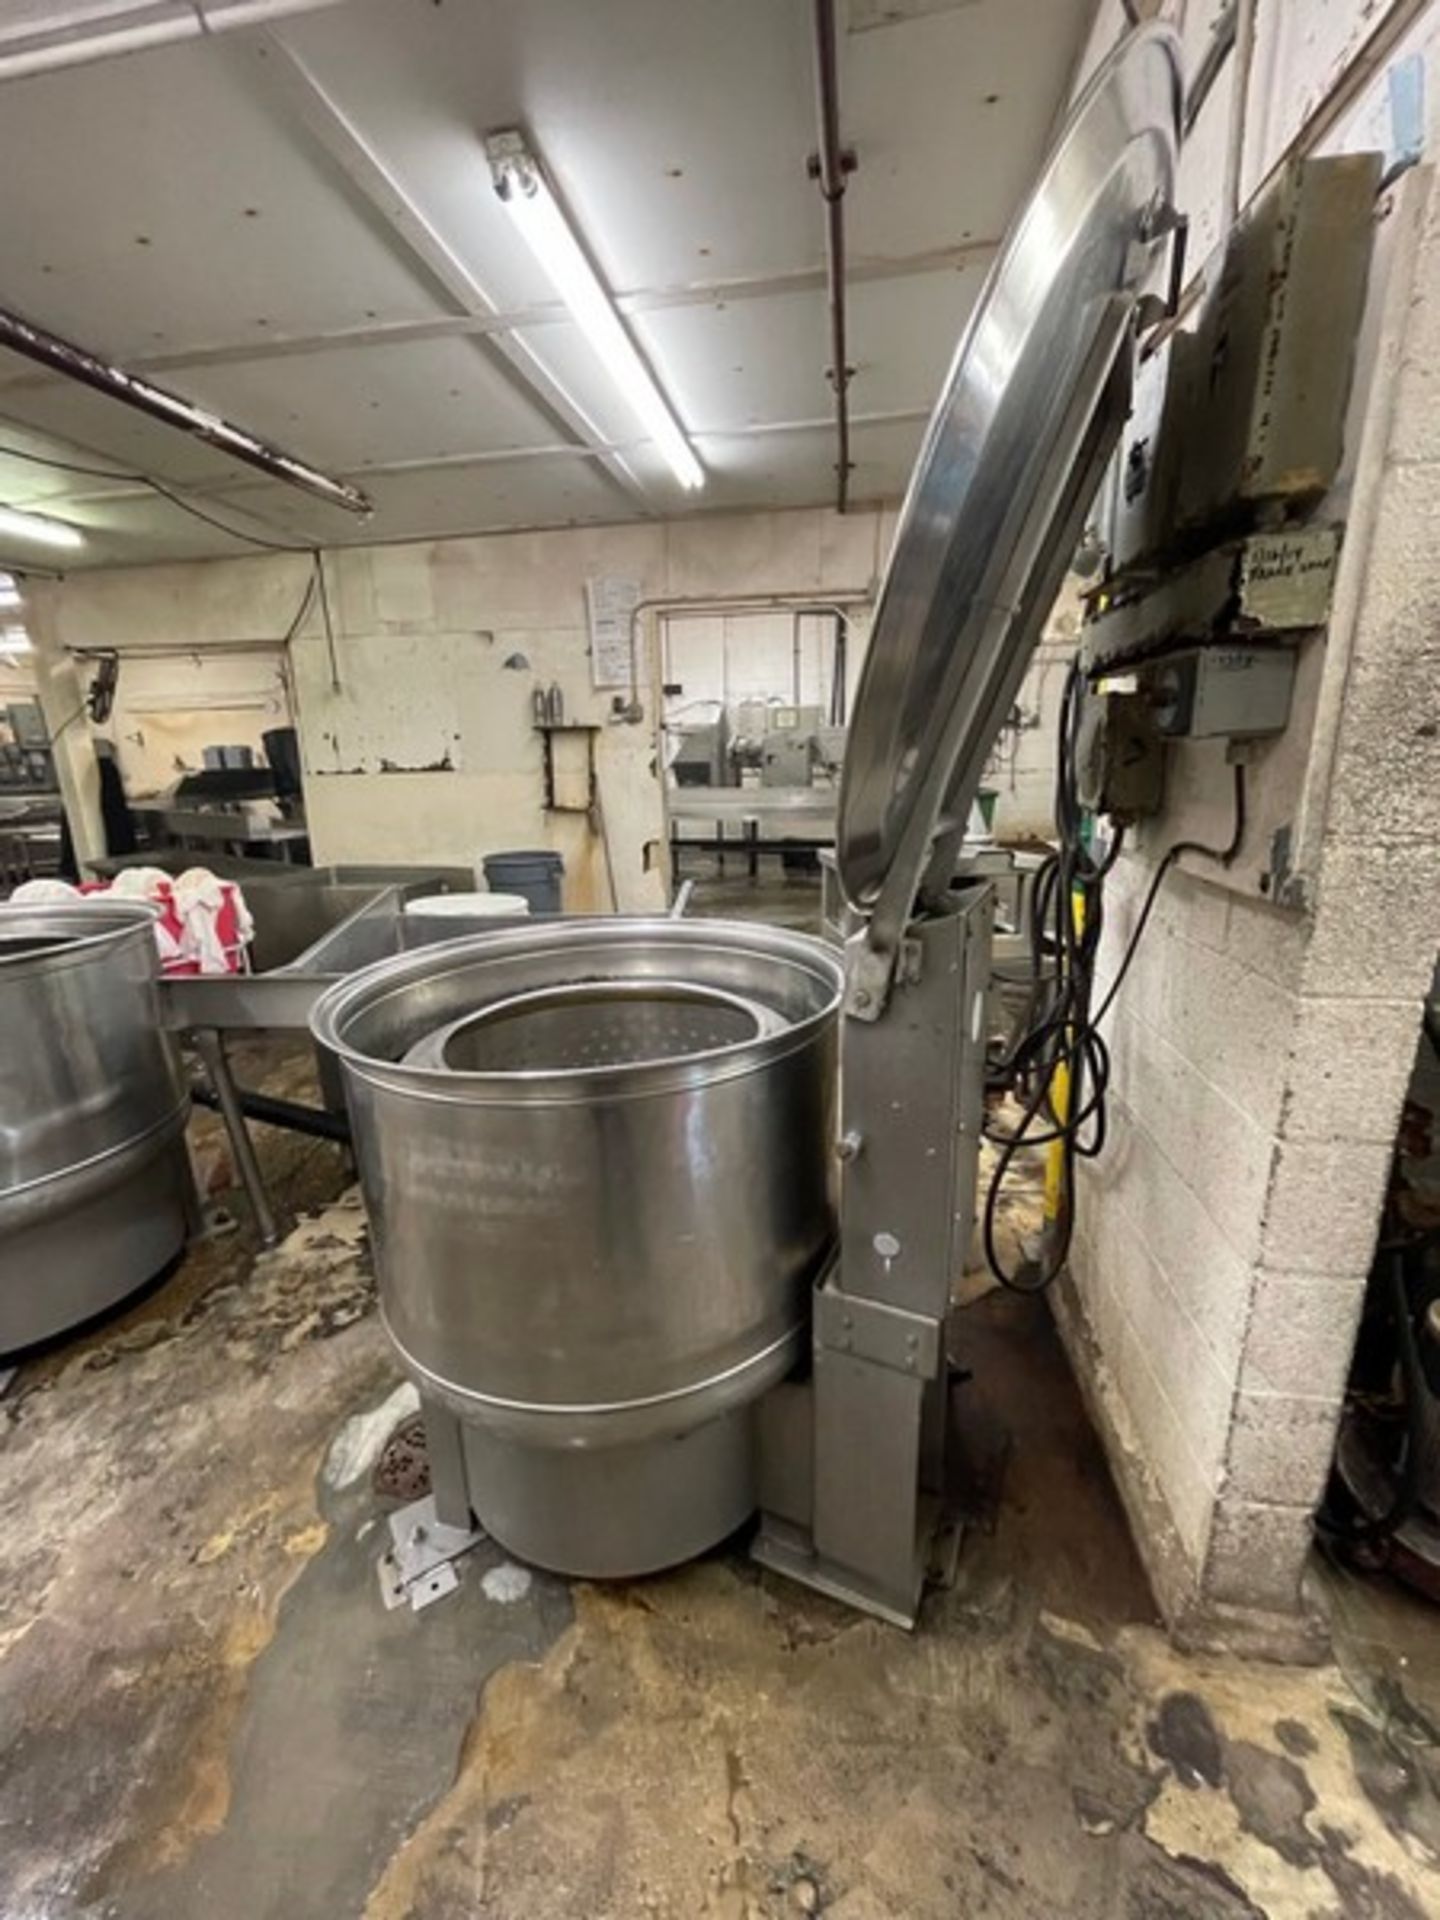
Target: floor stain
[(1184, 1734), (208, 1712)]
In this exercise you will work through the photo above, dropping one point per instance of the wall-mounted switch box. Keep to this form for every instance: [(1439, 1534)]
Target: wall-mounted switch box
[(1232, 692), (1120, 757)]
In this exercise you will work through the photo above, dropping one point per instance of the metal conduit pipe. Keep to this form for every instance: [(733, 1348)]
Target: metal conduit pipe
[(73, 362), (829, 167)]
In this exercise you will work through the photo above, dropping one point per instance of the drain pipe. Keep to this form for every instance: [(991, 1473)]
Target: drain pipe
[(829, 167)]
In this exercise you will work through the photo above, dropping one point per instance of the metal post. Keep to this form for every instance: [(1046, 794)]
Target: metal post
[(210, 1046), (859, 1521), (60, 690)]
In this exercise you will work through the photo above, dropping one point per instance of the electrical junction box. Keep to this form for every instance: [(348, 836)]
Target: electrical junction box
[(1120, 757), (1235, 693), (1274, 352), (787, 760), (1243, 406)]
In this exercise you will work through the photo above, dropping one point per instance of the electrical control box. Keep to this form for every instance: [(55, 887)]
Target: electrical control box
[(1244, 406), (1120, 757), (1233, 692), (787, 759)]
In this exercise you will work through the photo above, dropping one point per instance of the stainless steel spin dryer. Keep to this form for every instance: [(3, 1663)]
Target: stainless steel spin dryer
[(95, 1188), (600, 1193), (599, 1158)]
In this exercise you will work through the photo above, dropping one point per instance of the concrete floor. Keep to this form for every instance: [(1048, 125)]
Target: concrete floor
[(206, 1711)]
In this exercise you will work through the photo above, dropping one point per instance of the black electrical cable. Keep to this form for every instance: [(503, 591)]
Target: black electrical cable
[(1061, 1033), (158, 487), (319, 576), (223, 526), (307, 600), (1225, 855)]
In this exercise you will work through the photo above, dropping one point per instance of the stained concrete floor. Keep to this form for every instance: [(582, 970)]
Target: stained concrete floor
[(205, 1711)]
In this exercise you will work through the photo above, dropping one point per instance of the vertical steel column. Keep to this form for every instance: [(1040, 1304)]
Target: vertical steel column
[(853, 1513)]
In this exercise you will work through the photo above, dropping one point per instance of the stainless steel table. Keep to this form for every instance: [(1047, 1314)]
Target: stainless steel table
[(768, 819)]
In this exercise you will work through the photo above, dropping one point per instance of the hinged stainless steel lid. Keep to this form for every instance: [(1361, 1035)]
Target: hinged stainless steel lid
[(1011, 460)]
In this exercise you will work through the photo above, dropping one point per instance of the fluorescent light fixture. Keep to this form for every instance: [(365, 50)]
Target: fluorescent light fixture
[(14, 640), (521, 184), (35, 526)]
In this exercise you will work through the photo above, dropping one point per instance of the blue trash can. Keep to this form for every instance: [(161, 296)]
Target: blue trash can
[(538, 875)]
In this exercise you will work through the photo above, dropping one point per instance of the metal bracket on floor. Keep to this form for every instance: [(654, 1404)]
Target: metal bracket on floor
[(420, 1564)]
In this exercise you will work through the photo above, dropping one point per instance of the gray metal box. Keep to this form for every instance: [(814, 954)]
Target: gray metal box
[(1256, 387), (27, 723), (787, 760), (1268, 381), (1231, 692), (1120, 756)]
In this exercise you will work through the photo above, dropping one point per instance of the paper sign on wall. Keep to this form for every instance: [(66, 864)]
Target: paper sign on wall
[(612, 602)]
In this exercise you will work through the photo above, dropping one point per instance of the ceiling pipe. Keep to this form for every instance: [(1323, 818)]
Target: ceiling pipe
[(829, 167), (63, 357), (36, 47)]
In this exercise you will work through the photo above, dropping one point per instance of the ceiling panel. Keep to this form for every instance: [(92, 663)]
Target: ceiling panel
[(903, 335), (103, 429), (949, 113), (129, 530), (159, 200), (748, 363), (246, 200), (352, 407), (798, 469), (26, 483), (676, 130), (737, 364), (742, 363), (546, 491)]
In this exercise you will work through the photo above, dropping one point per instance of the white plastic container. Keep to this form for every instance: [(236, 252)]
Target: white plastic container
[(469, 906)]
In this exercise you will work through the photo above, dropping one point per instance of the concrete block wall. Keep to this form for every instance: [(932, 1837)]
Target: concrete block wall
[(1261, 1059)]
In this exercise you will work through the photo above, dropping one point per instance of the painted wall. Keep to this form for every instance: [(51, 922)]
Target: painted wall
[(415, 721), (1260, 1055), (169, 708), (17, 682)]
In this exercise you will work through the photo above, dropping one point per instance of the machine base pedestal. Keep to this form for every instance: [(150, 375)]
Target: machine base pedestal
[(786, 1549), (606, 1512)]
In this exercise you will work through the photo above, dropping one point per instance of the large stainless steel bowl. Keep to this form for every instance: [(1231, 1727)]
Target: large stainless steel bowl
[(597, 1158), (93, 1177)]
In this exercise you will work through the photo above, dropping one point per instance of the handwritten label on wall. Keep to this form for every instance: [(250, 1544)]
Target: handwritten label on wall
[(611, 601)]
